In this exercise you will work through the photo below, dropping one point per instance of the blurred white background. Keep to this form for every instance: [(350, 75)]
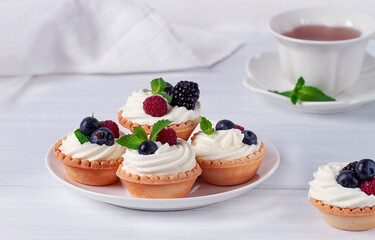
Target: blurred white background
[(241, 14)]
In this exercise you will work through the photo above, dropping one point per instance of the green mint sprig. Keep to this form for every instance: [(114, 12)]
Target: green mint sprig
[(157, 86), (305, 93), (81, 137), (132, 141), (157, 127), (206, 126)]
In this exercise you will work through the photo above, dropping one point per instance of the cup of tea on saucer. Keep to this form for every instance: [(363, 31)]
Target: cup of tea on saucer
[(325, 46)]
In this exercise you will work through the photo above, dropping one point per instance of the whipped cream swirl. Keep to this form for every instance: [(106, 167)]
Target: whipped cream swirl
[(133, 110), (90, 151), (222, 145), (326, 189), (165, 161)]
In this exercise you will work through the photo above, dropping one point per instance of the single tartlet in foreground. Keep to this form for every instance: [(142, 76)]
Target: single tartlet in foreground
[(228, 154), (90, 155), (178, 103), (158, 166), (345, 194)]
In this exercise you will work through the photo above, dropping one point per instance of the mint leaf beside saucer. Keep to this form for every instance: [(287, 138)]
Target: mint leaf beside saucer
[(206, 126), (305, 93), (286, 94), (314, 94)]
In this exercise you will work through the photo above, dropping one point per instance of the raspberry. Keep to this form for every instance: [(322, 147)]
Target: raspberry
[(185, 94), (239, 127), (112, 126), (167, 135), (367, 187), (155, 106)]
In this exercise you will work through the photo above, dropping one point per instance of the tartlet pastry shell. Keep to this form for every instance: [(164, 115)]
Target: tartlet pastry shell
[(356, 219), (166, 186), (96, 173), (236, 171), (183, 130)]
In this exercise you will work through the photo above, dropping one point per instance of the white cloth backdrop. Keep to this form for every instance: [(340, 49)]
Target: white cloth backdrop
[(97, 36)]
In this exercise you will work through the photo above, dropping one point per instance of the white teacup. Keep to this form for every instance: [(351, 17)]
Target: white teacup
[(332, 66)]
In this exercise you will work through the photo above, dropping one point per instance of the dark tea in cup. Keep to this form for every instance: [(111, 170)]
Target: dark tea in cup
[(323, 33)]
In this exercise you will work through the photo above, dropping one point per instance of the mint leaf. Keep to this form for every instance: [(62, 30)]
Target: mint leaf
[(166, 96), (206, 126), (295, 95), (158, 85), (305, 93), (286, 94), (309, 93), (157, 127), (130, 141), (140, 133), (81, 137)]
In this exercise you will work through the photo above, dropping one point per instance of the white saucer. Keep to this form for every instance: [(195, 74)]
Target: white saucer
[(265, 74), (202, 193)]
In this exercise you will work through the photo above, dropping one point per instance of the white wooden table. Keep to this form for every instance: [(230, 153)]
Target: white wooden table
[(33, 205)]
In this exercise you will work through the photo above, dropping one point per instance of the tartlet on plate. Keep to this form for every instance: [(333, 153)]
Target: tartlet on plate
[(179, 104), (90, 155), (227, 155), (165, 186), (88, 172), (159, 165)]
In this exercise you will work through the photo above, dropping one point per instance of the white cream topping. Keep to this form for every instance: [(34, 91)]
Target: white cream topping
[(222, 145), (90, 151), (165, 161), (133, 110), (326, 189)]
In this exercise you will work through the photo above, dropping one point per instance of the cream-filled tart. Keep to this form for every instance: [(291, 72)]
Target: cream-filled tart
[(158, 167), (91, 155), (344, 194), (228, 154), (179, 104)]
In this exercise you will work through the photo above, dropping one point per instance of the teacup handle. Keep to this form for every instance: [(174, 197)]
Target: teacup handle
[(371, 70)]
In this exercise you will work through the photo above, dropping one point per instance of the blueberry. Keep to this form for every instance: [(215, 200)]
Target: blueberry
[(250, 138), (89, 125), (102, 136), (225, 125), (365, 169), (147, 148), (347, 179), (169, 88)]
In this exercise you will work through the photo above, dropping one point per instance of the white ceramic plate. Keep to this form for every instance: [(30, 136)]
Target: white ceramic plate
[(202, 194), (265, 74)]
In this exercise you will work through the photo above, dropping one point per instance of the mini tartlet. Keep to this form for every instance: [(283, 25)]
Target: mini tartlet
[(341, 201), (162, 167), (227, 155), (179, 104), (91, 160)]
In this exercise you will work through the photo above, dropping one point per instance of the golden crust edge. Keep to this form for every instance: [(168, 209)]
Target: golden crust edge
[(163, 179), (83, 163), (232, 163), (348, 212), (180, 126)]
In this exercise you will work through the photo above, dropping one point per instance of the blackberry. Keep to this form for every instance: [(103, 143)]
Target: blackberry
[(185, 94), (351, 166)]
